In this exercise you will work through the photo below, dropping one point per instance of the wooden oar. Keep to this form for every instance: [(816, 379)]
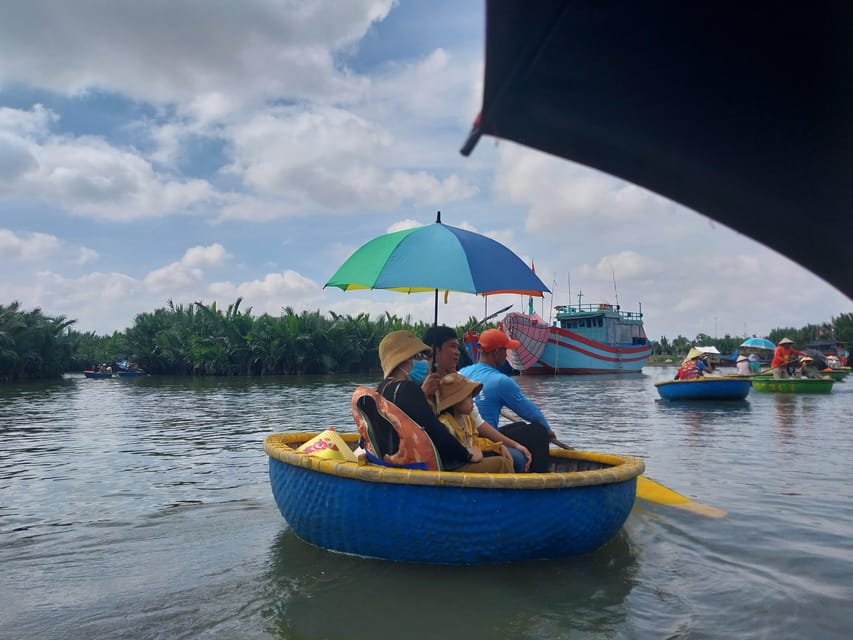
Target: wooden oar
[(651, 491)]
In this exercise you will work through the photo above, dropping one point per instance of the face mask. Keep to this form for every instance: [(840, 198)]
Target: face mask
[(419, 371)]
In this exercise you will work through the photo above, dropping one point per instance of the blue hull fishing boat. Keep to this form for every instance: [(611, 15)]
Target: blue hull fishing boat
[(705, 388), (442, 517), (586, 338)]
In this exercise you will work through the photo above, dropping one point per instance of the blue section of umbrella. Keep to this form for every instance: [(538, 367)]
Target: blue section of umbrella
[(758, 343)]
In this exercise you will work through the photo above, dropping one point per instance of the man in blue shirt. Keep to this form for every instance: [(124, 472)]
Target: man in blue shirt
[(499, 391)]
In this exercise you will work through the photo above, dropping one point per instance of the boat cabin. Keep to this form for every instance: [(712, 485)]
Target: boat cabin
[(603, 322)]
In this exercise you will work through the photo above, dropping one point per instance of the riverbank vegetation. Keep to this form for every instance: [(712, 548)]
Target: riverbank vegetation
[(203, 340)]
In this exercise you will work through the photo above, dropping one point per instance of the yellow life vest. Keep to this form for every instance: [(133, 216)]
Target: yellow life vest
[(467, 434)]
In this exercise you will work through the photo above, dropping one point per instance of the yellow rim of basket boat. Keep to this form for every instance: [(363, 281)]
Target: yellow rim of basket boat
[(281, 446)]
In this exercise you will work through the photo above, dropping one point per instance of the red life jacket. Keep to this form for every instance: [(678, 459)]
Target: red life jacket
[(385, 429)]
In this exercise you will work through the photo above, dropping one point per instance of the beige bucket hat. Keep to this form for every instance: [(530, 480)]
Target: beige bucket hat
[(453, 388), (397, 347)]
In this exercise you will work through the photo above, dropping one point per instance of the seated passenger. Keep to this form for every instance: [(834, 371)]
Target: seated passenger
[(754, 363), (445, 356), (688, 370), (404, 364), (808, 368), (456, 404), (742, 365), (499, 391)]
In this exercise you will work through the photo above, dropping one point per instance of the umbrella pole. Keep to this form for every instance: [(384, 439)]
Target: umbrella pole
[(435, 321)]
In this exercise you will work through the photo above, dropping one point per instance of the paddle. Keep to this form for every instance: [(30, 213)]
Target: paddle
[(648, 489), (651, 491)]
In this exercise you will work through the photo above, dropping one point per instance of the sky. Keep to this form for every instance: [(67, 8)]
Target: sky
[(176, 150)]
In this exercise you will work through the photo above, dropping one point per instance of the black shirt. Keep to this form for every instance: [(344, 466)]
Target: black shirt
[(409, 397)]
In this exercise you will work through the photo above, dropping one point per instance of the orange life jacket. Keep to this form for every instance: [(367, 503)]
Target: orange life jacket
[(688, 370), (386, 430)]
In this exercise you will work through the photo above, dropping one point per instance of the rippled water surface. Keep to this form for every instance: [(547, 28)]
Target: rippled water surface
[(141, 508)]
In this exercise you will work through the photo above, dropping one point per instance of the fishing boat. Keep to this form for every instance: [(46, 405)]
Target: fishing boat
[(585, 338), (446, 517), (765, 383), (706, 388), (97, 375)]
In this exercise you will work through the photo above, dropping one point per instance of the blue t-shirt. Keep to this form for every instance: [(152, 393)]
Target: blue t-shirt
[(499, 390)]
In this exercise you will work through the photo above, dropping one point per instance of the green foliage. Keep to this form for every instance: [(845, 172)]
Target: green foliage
[(203, 340), (33, 345)]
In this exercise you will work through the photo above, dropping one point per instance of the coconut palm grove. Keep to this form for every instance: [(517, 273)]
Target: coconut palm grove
[(202, 340)]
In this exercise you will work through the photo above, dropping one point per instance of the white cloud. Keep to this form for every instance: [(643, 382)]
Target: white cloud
[(86, 175), (560, 194), (248, 51), (325, 159), (273, 292), (188, 272), (29, 246), (86, 255)]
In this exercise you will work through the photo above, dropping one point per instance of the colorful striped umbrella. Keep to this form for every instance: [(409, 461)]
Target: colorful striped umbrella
[(437, 257)]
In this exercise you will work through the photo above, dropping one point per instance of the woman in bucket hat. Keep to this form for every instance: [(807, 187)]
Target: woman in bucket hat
[(403, 357)]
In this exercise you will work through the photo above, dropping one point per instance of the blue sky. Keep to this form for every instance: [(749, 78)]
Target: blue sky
[(157, 151)]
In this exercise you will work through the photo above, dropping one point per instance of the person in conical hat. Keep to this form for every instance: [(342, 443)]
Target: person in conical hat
[(742, 365), (782, 358)]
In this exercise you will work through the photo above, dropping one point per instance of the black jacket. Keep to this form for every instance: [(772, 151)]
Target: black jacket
[(411, 399)]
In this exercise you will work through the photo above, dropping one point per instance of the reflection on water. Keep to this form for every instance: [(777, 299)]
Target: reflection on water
[(321, 595), (141, 508)]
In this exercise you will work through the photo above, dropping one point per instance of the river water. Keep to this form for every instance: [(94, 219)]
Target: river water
[(141, 508)]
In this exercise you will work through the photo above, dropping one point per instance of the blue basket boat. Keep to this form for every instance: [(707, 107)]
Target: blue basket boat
[(442, 517), (705, 388)]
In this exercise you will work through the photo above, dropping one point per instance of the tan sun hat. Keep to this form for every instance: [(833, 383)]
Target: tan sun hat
[(786, 341), (453, 388), (397, 347), (741, 358)]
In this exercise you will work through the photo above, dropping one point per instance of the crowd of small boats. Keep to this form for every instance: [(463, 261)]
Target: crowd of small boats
[(815, 373)]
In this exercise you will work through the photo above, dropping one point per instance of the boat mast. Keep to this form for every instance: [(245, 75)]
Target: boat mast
[(615, 291)]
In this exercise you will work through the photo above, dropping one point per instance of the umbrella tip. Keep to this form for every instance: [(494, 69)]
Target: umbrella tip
[(438, 217)]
